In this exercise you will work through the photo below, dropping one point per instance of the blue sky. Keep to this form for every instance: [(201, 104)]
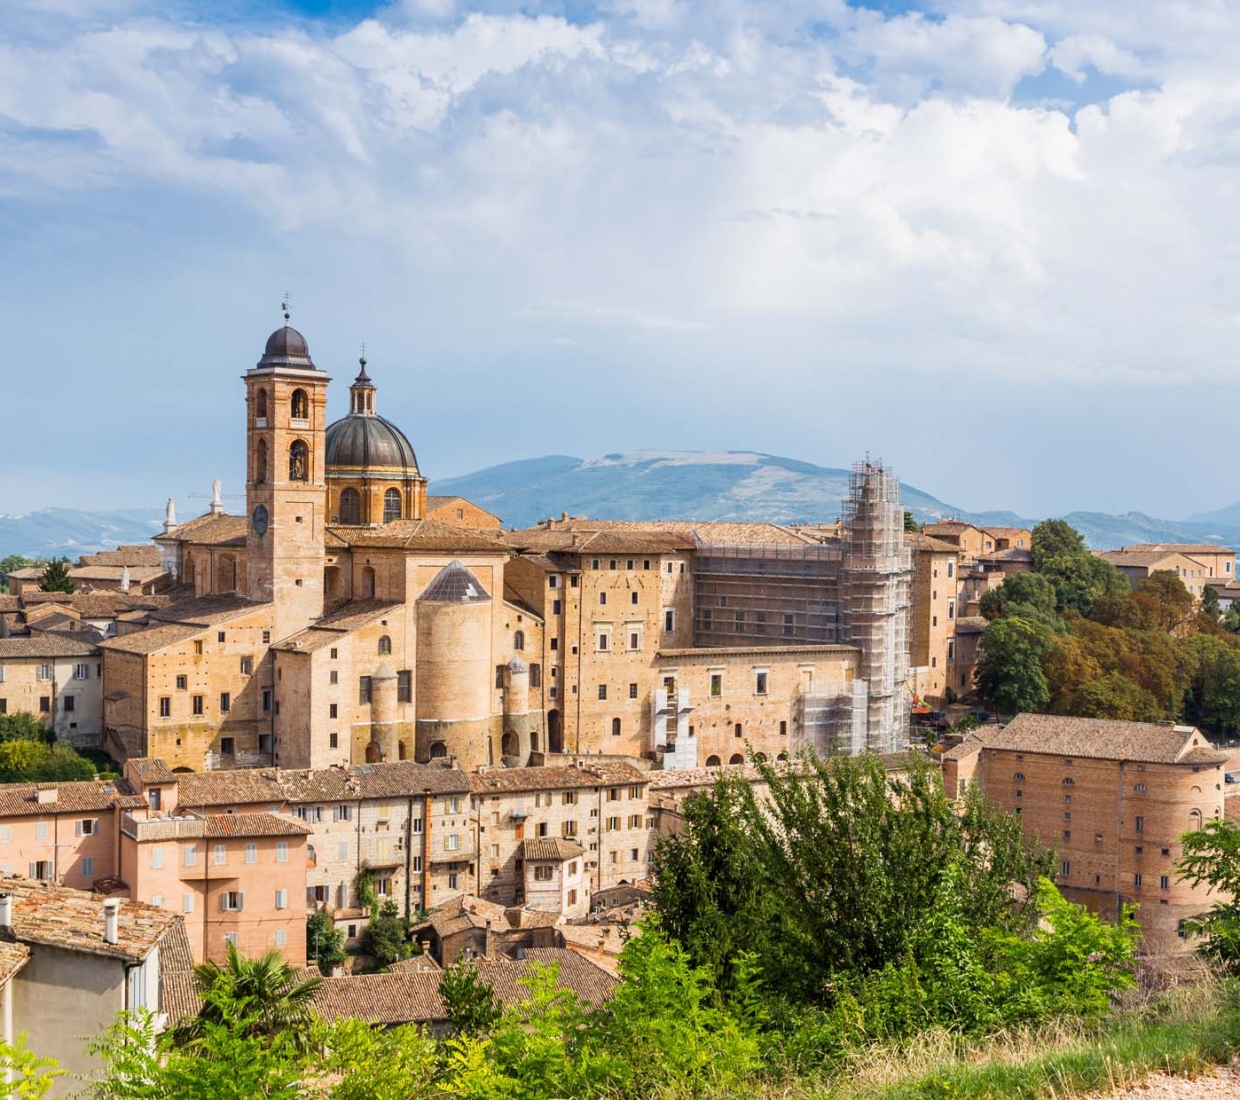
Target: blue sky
[(991, 241)]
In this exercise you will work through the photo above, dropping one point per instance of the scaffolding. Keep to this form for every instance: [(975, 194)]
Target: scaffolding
[(875, 597), (833, 718), (766, 594)]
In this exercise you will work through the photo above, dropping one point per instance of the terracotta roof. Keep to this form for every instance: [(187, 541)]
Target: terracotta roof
[(13, 956), (466, 911), (46, 645), (592, 540), (608, 774), (107, 605), (926, 544), (274, 786), (681, 778), (1008, 532), (151, 640), (949, 526), (553, 848), (205, 610), (179, 998), (419, 534), (969, 747), (1135, 557), (10, 604), (329, 629), (175, 954), (138, 574), (1102, 739), (83, 796), (709, 532), (57, 916), (150, 769), (1188, 548), (242, 825), (126, 554), (209, 530)]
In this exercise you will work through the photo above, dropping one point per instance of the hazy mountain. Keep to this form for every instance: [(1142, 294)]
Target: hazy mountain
[(733, 485), (66, 532)]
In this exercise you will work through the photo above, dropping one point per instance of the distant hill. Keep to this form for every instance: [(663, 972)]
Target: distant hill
[(723, 485), (66, 532)]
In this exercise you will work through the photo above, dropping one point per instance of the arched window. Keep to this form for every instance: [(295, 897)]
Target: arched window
[(391, 505), (438, 750), (385, 644), (260, 462), (350, 507), (713, 761), (189, 569), (299, 461), (782, 756), (260, 405), (1018, 776), (1194, 821), (518, 640), (615, 727), (760, 757), (509, 745), (301, 405), (738, 730), (737, 759), (368, 583), (1069, 781)]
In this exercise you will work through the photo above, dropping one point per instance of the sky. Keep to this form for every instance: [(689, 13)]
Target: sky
[(993, 242)]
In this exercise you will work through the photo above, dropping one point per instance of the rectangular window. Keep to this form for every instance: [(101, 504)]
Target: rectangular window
[(535, 675), (602, 691), (41, 830), (266, 700), (556, 607), (1065, 868), (553, 581), (88, 867), (603, 640), (1140, 824), (568, 828), (187, 903), (232, 901), (613, 824), (635, 821), (70, 703), (542, 873), (87, 827), (228, 746), (281, 899), (570, 798), (716, 683), (333, 677), (196, 705), (760, 682), (669, 618), (247, 666), (416, 864), (1164, 882), (45, 672), (632, 691), (198, 648), (1136, 878), (165, 706), (281, 937), (342, 850), (81, 672), (342, 812), (219, 855), (602, 599), (363, 690), (404, 686), (251, 853), (225, 702), (452, 842), (157, 858), (453, 804)]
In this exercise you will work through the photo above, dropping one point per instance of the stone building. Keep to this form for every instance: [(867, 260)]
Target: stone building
[(348, 618), (57, 678), (1112, 798), (933, 618)]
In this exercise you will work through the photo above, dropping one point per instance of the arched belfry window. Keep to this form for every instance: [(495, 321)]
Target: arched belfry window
[(391, 505), (260, 461), (260, 405), (385, 644), (518, 640), (301, 405), (350, 507), (299, 461)]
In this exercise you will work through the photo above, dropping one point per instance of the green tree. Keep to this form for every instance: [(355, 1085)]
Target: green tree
[(1163, 597), (386, 936), (265, 991), (1209, 603), (910, 523), (369, 1063), (1212, 696), (324, 941), (1028, 592), (1081, 580), (1009, 674), (470, 1001), (1114, 696), (23, 1073), (12, 564), (1212, 856), (1053, 538), (56, 577), (38, 762), (21, 726)]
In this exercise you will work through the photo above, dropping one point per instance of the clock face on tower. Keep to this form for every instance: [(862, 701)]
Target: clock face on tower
[(258, 519)]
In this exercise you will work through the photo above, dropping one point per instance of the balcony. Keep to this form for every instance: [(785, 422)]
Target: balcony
[(182, 827), (299, 422)]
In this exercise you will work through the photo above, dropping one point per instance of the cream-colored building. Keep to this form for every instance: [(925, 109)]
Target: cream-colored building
[(1195, 565), (57, 678)]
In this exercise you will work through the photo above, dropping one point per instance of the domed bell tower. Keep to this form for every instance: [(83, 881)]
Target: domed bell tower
[(286, 485)]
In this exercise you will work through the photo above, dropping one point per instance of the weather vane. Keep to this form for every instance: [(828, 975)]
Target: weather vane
[(284, 306), (362, 360)]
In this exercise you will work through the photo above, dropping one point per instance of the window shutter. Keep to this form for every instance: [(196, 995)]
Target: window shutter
[(224, 903), (77, 828), (240, 902), (34, 871)]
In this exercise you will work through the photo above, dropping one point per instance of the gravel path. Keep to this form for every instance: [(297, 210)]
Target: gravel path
[(1220, 1084)]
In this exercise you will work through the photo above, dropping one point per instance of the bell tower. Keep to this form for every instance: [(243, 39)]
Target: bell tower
[(286, 485)]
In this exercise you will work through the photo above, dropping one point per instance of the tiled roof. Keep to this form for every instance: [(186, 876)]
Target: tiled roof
[(150, 769), (274, 786), (242, 825), (926, 544), (175, 954), (84, 796), (209, 530), (151, 640), (567, 539), (466, 911), (131, 554), (709, 532), (948, 527), (138, 574), (1189, 548), (46, 645), (57, 916), (1134, 557), (1008, 532), (1102, 739), (179, 998), (107, 605), (603, 774), (205, 610), (343, 619), (419, 534), (553, 848), (13, 956)]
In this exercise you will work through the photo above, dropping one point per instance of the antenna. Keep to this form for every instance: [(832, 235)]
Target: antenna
[(284, 306)]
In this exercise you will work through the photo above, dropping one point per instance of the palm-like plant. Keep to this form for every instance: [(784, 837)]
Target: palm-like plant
[(260, 996)]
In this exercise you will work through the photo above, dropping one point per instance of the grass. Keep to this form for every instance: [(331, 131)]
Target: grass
[(1183, 1033)]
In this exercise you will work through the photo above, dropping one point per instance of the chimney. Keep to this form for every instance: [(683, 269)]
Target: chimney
[(6, 911), (488, 942), (45, 796), (111, 920), (125, 579)]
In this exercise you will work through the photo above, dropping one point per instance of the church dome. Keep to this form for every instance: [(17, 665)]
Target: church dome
[(364, 440), (286, 347)]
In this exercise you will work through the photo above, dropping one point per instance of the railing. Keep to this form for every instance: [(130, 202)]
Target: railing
[(298, 422), (163, 828)]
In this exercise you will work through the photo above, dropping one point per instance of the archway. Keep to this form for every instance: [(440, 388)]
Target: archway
[(713, 761), (401, 751), (299, 461), (518, 640), (391, 505), (510, 744), (373, 756), (533, 740), (260, 462), (439, 750), (555, 732), (350, 507), (333, 582), (300, 405), (368, 583), (737, 758), (226, 574), (260, 406)]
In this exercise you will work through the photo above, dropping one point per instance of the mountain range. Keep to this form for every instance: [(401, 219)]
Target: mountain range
[(724, 485)]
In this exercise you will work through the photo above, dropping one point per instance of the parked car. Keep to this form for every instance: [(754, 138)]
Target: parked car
[(981, 715)]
